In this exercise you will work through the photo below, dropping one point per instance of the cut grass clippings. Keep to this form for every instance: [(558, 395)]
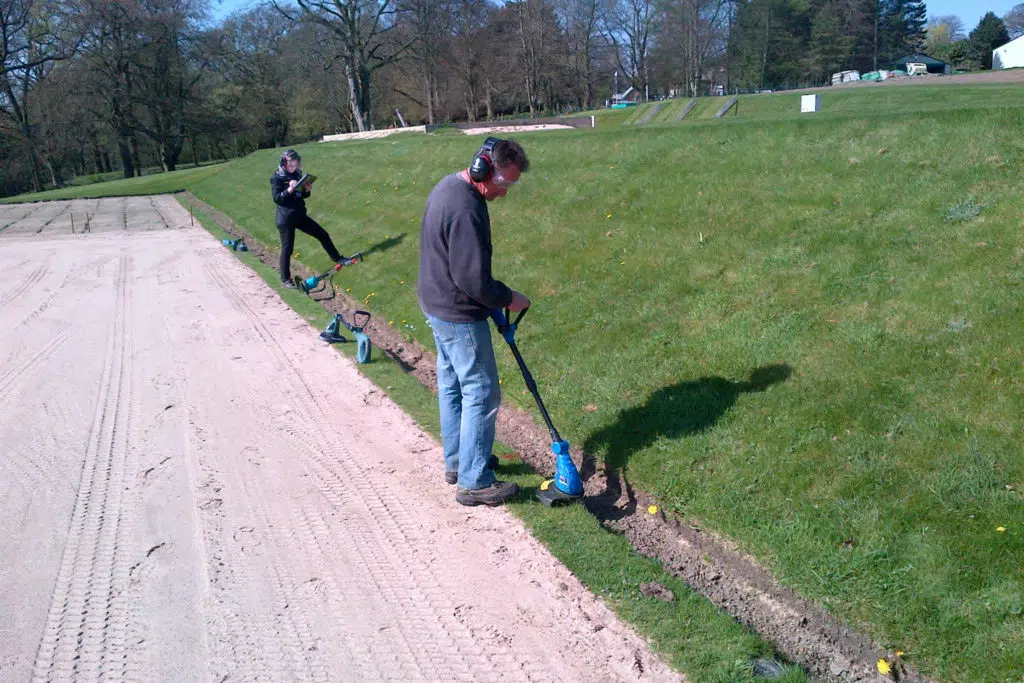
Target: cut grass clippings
[(689, 632)]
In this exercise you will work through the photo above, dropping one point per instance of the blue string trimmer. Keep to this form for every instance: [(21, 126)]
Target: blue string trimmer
[(308, 284), (566, 487)]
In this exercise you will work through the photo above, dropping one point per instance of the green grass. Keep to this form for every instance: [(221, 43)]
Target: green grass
[(891, 100), (156, 183), (874, 477), (690, 633), (667, 263)]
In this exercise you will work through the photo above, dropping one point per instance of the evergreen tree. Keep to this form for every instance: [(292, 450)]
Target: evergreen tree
[(989, 34)]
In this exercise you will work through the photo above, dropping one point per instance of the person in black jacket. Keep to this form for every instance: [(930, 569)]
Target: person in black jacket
[(291, 213)]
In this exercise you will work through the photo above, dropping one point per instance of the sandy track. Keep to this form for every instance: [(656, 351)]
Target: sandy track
[(193, 487)]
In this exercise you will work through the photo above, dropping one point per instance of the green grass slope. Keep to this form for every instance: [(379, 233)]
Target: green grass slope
[(668, 265)]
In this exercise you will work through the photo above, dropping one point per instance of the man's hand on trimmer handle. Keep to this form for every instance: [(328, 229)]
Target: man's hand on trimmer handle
[(519, 302)]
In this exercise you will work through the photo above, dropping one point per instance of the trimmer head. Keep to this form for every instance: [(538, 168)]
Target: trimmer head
[(305, 284), (235, 245), (566, 487), (549, 494), (331, 334)]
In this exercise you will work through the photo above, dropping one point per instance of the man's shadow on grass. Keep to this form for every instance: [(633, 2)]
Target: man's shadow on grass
[(673, 411)]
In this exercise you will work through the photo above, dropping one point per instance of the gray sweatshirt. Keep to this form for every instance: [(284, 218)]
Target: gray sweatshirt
[(455, 282)]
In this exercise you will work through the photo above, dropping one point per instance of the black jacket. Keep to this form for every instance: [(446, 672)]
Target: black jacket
[(290, 206)]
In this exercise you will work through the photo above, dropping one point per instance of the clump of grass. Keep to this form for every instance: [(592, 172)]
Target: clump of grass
[(964, 212)]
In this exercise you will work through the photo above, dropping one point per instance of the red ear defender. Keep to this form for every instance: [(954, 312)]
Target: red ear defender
[(483, 167)]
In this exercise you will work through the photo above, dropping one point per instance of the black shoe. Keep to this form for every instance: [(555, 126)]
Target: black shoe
[(453, 477), (288, 284), (495, 494)]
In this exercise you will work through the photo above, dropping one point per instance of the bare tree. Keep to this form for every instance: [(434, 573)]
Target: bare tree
[(361, 29), (34, 35), (692, 33), (580, 18), (169, 67), (113, 46), (1014, 21), (470, 48), (628, 26), (428, 25)]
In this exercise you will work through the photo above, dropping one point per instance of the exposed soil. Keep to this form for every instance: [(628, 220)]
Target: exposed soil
[(802, 632)]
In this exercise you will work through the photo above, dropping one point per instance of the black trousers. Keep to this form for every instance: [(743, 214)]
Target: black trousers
[(311, 228)]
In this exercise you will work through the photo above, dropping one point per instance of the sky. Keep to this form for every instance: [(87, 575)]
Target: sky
[(969, 12), (220, 9)]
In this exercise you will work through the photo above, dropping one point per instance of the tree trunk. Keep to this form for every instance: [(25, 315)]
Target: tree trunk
[(218, 150), (430, 99), (53, 176), (875, 49), (195, 154), (136, 156)]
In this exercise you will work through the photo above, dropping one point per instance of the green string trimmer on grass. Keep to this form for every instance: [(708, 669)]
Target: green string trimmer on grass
[(308, 285), (332, 334), (566, 487)]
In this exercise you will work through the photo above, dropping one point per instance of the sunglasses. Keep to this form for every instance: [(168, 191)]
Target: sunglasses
[(501, 181)]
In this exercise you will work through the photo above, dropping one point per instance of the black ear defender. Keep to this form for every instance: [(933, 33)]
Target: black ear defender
[(483, 164)]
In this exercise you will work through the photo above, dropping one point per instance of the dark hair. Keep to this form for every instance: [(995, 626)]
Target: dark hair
[(508, 152), (290, 154)]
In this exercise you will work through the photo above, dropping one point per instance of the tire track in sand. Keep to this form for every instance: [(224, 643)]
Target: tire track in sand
[(87, 625), (10, 376), (396, 566), (23, 286)]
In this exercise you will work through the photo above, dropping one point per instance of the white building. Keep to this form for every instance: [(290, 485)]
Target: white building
[(1010, 55)]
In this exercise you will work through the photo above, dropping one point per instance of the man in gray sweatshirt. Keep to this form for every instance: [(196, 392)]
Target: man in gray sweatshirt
[(457, 293)]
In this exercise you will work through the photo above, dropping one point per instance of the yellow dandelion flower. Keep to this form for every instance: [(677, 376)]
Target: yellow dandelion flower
[(883, 667), (653, 509), (608, 216), (899, 653), (1000, 529)]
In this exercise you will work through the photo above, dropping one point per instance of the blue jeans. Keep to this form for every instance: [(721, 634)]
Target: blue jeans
[(469, 396)]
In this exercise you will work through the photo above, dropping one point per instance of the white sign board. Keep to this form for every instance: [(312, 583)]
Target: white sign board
[(810, 103)]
